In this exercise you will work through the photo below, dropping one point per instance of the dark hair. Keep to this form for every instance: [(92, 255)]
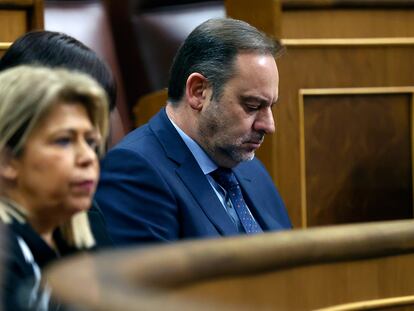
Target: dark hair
[(55, 49), (211, 49)]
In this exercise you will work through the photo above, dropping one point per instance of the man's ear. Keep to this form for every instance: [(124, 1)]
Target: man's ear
[(196, 90)]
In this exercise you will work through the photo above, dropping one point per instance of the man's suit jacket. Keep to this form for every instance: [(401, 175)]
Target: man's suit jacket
[(152, 189)]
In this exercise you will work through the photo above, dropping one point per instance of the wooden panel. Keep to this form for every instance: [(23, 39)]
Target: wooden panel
[(17, 3), (259, 16), (336, 23), (36, 15), (12, 24), (326, 64), (351, 281), (356, 155), (18, 17)]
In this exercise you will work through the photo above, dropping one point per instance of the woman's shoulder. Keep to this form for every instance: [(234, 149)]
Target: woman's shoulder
[(16, 253), (22, 273)]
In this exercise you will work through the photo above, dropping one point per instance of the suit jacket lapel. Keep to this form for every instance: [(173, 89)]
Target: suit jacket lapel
[(256, 200), (191, 174)]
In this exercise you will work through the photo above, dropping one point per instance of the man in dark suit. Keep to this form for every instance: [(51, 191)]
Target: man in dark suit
[(190, 172)]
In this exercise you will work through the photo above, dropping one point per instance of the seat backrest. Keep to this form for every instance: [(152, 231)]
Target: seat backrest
[(87, 21), (147, 35)]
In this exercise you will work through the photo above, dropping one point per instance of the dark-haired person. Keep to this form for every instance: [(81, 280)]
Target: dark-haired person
[(191, 171), (56, 49), (53, 123), (59, 50)]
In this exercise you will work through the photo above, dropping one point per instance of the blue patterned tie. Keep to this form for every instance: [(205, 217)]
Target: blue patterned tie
[(225, 178)]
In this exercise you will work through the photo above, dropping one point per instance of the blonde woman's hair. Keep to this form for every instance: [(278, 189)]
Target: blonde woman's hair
[(27, 94)]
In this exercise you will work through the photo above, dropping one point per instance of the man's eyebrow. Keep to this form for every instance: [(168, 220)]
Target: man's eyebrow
[(260, 99)]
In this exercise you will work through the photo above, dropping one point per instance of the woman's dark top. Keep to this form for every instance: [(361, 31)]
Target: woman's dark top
[(26, 254)]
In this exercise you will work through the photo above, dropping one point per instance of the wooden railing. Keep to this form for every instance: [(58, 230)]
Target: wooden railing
[(297, 270)]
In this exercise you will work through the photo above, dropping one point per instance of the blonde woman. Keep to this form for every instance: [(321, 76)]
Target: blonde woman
[(52, 123)]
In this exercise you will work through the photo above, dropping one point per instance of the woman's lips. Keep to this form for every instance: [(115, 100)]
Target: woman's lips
[(86, 186)]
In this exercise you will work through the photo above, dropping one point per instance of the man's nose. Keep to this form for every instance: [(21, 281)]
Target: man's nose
[(265, 122)]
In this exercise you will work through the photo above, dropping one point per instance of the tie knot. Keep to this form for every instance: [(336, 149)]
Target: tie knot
[(225, 178)]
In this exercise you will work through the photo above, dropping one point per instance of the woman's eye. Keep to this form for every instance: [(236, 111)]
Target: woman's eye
[(93, 143), (62, 141)]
